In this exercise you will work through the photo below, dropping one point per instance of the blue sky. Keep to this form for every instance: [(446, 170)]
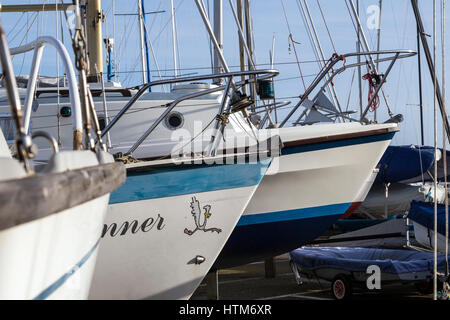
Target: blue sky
[(398, 32)]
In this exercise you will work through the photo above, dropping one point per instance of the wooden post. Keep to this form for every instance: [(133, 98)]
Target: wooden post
[(270, 268)]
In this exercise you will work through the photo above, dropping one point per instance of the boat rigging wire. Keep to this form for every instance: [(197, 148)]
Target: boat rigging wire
[(318, 47), (293, 43), (235, 66), (359, 31), (14, 27), (326, 26)]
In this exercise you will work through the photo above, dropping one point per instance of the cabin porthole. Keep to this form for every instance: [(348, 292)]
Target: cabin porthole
[(174, 120)]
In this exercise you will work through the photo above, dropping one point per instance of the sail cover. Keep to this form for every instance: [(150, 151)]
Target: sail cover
[(404, 162)]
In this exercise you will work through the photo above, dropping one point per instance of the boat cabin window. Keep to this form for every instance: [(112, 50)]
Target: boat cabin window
[(174, 120)]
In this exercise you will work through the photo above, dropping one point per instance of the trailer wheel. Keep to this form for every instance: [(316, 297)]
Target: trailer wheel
[(425, 287), (341, 287)]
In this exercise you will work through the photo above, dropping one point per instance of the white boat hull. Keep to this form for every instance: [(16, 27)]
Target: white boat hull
[(53, 257), (164, 253), (313, 185), (49, 235)]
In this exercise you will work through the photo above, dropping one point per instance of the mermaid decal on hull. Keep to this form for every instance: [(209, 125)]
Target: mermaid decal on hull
[(200, 216)]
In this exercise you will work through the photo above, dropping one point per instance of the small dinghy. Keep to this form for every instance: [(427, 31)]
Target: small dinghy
[(350, 267), (422, 216), (388, 233)]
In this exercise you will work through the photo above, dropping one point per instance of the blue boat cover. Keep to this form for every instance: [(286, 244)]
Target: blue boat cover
[(404, 162), (423, 213), (358, 259)]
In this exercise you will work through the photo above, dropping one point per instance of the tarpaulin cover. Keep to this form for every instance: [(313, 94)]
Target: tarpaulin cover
[(358, 259), (440, 167), (403, 162), (423, 213)]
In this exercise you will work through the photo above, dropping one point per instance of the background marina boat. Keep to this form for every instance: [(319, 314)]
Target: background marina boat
[(325, 172), (346, 268), (167, 224), (401, 163), (382, 202), (51, 218), (405, 175), (422, 216), (388, 233)]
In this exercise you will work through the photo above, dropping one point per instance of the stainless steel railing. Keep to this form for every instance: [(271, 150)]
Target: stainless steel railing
[(224, 108), (397, 54)]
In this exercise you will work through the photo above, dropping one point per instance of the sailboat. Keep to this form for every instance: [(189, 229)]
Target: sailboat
[(299, 197), (52, 215), (166, 225)]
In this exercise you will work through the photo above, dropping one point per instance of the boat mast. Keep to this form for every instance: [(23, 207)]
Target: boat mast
[(419, 65), (218, 33), (358, 47), (174, 42), (147, 58), (435, 162), (248, 30), (431, 67), (141, 34), (95, 17), (380, 6), (240, 13), (114, 37), (249, 33)]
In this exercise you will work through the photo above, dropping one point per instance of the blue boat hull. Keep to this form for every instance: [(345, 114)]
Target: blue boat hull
[(255, 242)]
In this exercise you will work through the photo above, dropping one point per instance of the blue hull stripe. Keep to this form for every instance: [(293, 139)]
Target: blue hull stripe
[(336, 144), (58, 283), (160, 183), (296, 214)]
